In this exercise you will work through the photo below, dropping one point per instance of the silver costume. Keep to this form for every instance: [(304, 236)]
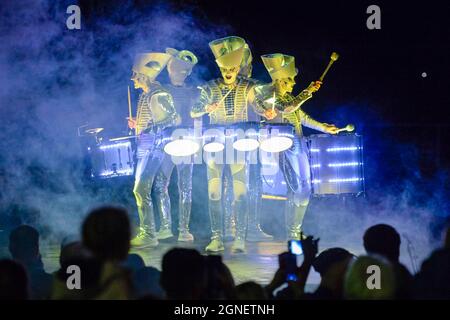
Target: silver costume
[(232, 110), (155, 113), (293, 162), (183, 99)]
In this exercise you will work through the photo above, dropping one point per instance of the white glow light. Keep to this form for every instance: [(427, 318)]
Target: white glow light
[(246, 144), (342, 149), (316, 166), (127, 171), (344, 164), (116, 145), (316, 181), (314, 150), (276, 144), (181, 148), (213, 147), (345, 180)]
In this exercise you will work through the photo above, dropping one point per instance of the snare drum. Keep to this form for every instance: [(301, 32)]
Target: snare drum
[(181, 141), (276, 137), (243, 137), (336, 163), (111, 159)]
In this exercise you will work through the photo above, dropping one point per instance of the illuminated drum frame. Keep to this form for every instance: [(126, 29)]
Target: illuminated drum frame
[(336, 163), (111, 159)]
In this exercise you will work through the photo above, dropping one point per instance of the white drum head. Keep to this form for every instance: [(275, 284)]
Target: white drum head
[(181, 148), (213, 147), (276, 144), (246, 144)]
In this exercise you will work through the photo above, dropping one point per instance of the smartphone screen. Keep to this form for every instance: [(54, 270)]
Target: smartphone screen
[(295, 247), (288, 261)]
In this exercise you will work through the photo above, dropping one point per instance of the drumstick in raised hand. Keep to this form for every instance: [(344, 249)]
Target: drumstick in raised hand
[(333, 58), (350, 127)]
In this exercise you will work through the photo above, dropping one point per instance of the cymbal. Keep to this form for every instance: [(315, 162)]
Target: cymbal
[(94, 130)]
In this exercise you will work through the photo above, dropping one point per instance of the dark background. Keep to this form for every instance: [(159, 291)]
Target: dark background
[(376, 84)]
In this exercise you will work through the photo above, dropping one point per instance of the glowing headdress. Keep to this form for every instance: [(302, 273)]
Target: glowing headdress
[(181, 60), (228, 51), (246, 65), (280, 65), (150, 64)]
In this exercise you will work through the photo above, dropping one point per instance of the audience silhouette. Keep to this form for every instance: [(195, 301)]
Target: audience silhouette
[(111, 272)]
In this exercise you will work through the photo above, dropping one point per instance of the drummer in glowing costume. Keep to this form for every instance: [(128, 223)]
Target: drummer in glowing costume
[(154, 113), (238, 93), (254, 231), (179, 68), (282, 107)]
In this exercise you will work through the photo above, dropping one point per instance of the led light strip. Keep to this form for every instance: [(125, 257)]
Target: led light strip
[(116, 145), (345, 164), (337, 149)]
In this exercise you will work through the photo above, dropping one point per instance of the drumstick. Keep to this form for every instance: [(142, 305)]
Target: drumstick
[(224, 97), (333, 58), (129, 110), (349, 128), (129, 103), (273, 103)]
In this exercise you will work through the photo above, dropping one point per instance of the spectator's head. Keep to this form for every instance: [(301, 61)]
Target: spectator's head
[(384, 240), (134, 262), (332, 265), (13, 281), (326, 259), (71, 252), (220, 280), (183, 274), (24, 244), (250, 291), (106, 233), (370, 278), (147, 283)]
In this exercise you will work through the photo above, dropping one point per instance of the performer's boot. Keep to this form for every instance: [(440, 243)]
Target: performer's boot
[(183, 227), (165, 229), (215, 215), (254, 232), (146, 236), (295, 216), (241, 226)]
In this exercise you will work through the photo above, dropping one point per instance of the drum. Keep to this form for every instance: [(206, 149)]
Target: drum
[(274, 185), (181, 141), (276, 137), (243, 137), (111, 159), (246, 136), (214, 138), (336, 163)]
